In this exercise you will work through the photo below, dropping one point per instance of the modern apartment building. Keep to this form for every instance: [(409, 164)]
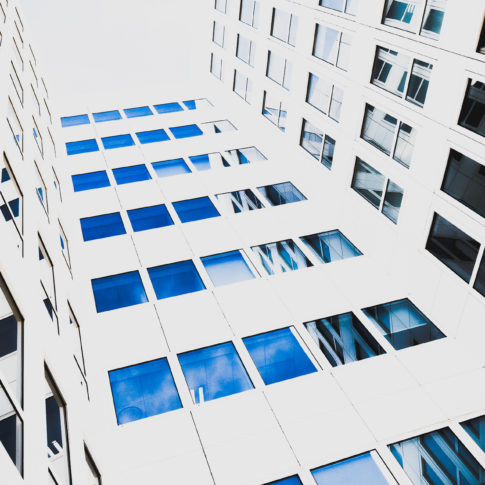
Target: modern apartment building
[(274, 276)]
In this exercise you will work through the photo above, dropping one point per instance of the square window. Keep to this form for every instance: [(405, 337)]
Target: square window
[(214, 372), (136, 112), (152, 136), (74, 120), (135, 173), (283, 193), (195, 209), (186, 131), (91, 180), (281, 256), (278, 356), (476, 429), (118, 291), (168, 168), (175, 279), (83, 146), (99, 227), (106, 116), (239, 201), (331, 246), (149, 217), (143, 390), (168, 108), (402, 324), (227, 268), (117, 141)]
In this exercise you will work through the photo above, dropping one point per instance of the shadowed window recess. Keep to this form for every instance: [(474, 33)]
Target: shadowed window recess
[(149, 217), (227, 268), (11, 431), (281, 256), (135, 173), (102, 226)]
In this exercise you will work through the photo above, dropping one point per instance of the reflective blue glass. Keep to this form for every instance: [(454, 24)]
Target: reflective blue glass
[(74, 120), (143, 390), (186, 131), (82, 146), (149, 217), (190, 104), (118, 291), (195, 209), (402, 324), (284, 193), (99, 227), (227, 268), (331, 246), (152, 136), (476, 429), (168, 108), (175, 279), (107, 116), (214, 372), (136, 112), (281, 256), (201, 162), (358, 470), (117, 141), (294, 480), (135, 173), (278, 356), (91, 180), (168, 168)]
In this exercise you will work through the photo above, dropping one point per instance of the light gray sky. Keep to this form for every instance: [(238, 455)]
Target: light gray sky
[(93, 48)]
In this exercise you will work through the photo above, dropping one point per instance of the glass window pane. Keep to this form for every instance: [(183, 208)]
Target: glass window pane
[(403, 324), (245, 49), (241, 156), (403, 151), (239, 201), (344, 51), (327, 152), (319, 93), (135, 173), (472, 114), (279, 194), (368, 182), (186, 131), (326, 44), (281, 25), (168, 108), (294, 480), (83, 146), (118, 291), (392, 201), (480, 279), (281, 256), (278, 356), (379, 129), (152, 136), (106, 116), (333, 4), (207, 161), (74, 120), (276, 68), (452, 247), (214, 372), (143, 390), (311, 139), (195, 209), (99, 227), (433, 18), (403, 14), (476, 429), (331, 246), (390, 70), (336, 103), (227, 268), (136, 112), (168, 168), (117, 141), (419, 82), (88, 181), (175, 279), (11, 430), (343, 339), (149, 217)]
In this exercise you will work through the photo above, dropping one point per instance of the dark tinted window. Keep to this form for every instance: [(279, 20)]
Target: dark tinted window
[(472, 114)]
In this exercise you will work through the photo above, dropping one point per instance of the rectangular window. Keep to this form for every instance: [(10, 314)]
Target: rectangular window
[(220, 126), (137, 112), (16, 83), (143, 390), (15, 126), (218, 31), (99, 227), (38, 137), (227, 268), (149, 217), (279, 70), (476, 429), (243, 86), (168, 108), (127, 175), (11, 430), (200, 103), (214, 372), (472, 115), (167, 168), (347, 6), (74, 120), (274, 110), (403, 324), (11, 200), (195, 209), (331, 246), (281, 257), (221, 5), (41, 189), (47, 277), (83, 146), (332, 46), (89, 181), (241, 156), (481, 41), (324, 96), (249, 13), (245, 50), (239, 201), (76, 340), (284, 26), (117, 141), (328, 151), (103, 116), (283, 193), (319, 146), (185, 131), (118, 291), (216, 66), (152, 136), (452, 247)]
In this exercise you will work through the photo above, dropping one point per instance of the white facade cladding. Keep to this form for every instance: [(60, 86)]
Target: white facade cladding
[(274, 276)]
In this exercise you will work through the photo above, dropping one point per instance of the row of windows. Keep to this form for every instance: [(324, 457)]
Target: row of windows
[(152, 136), (114, 115), (118, 291)]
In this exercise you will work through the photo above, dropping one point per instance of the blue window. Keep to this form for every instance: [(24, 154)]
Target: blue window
[(168, 168), (152, 136), (343, 339), (195, 209), (214, 372), (294, 480), (186, 131), (99, 227), (476, 429), (91, 180), (74, 120), (143, 390), (284, 193), (281, 256), (175, 279), (135, 173), (227, 268), (168, 108), (107, 116), (278, 356), (117, 141), (402, 324), (149, 217), (136, 112), (82, 146), (358, 469), (201, 162), (331, 246), (197, 103), (118, 291)]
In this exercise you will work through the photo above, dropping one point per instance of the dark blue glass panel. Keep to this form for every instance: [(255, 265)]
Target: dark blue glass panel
[(195, 209), (136, 112), (186, 131), (91, 180), (227, 268), (278, 356), (294, 480), (175, 279), (118, 291), (8, 433), (168, 108), (168, 168), (152, 136), (360, 469), (8, 335), (214, 372), (284, 193), (74, 120), (82, 146), (190, 104), (99, 227), (149, 217), (476, 429), (135, 173), (117, 141), (107, 116), (331, 246), (143, 390)]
